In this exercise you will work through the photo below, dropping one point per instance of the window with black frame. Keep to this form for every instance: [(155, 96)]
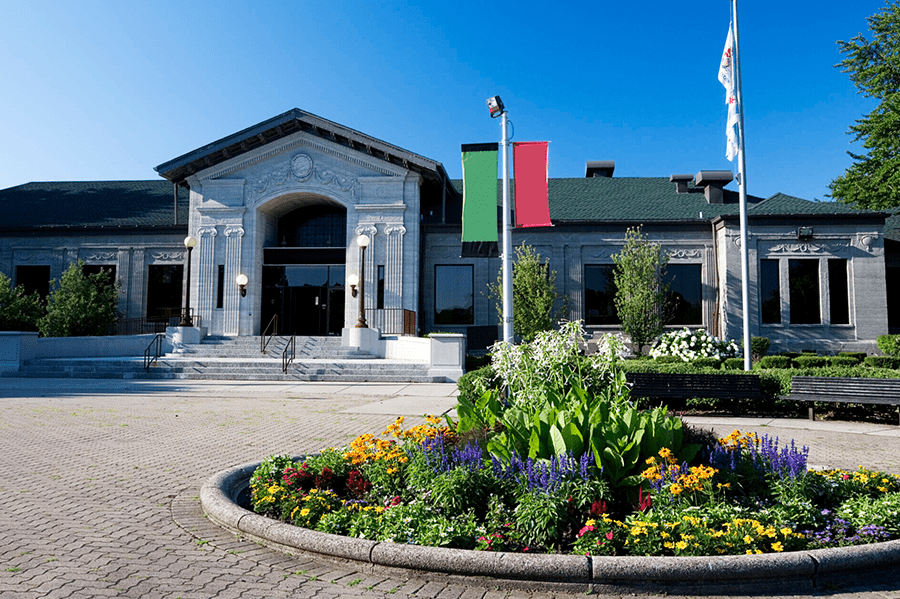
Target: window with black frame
[(454, 299)]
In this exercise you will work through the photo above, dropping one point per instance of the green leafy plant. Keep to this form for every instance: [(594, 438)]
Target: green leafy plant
[(80, 304), (759, 347), (641, 290), (889, 345), (775, 362), (18, 311), (689, 345), (537, 305)]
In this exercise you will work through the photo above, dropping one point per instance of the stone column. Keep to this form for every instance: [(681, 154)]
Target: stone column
[(393, 283), (206, 275), (233, 237), (138, 296)]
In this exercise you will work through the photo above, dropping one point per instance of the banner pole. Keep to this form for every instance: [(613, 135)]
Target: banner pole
[(508, 332), (742, 187)]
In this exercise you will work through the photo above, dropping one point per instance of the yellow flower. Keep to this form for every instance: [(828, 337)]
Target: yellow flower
[(748, 539), (681, 545), (777, 546), (304, 512)]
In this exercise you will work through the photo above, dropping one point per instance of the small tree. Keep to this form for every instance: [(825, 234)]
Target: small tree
[(81, 305), (18, 311), (536, 304), (641, 289)]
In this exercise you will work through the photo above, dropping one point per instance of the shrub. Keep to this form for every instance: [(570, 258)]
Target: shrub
[(733, 364), (775, 362), (759, 347), (690, 345), (882, 362), (859, 356), (667, 359), (18, 312), (790, 354), (80, 305), (472, 385), (708, 363), (811, 361), (845, 361), (889, 345)]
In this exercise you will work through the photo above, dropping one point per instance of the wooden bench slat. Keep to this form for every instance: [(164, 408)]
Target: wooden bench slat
[(844, 390)]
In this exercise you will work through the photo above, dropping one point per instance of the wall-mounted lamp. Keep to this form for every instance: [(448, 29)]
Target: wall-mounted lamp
[(804, 233), (242, 281), (353, 281)]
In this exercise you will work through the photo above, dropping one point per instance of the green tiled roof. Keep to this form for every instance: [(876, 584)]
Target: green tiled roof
[(633, 199), (91, 204)]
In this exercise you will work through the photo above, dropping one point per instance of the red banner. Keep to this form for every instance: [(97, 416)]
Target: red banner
[(532, 201)]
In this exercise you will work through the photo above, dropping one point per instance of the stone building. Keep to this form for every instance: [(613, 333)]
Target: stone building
[(283, 202)]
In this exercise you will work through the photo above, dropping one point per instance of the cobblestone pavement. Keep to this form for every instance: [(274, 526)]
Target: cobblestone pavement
[(99, 483)]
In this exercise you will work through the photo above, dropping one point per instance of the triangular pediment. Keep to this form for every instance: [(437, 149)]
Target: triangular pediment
[(291, 122)]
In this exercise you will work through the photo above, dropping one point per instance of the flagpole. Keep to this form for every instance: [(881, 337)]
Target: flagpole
[(507, 239), (742, 188)]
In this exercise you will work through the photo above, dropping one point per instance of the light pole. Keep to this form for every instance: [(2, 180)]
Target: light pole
[(496, 108), (363, 242), (186, 320)]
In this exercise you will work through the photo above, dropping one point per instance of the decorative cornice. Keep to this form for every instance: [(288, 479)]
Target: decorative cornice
[(685, 253), (381, 207), (100, 256), (808, 248), (167, 256)]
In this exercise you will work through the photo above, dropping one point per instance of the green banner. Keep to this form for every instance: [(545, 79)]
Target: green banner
[(479, 162)]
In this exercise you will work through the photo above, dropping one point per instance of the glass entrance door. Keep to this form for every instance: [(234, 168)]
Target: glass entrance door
[(308, 299)]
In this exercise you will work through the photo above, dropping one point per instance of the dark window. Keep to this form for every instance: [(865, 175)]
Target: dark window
[(220, 290), (34, 278), (379, 298), (769, 292), (803, 278), (454, 300), (599, 295), (164, 289), (685, 293), (838, 295), (314, 226)]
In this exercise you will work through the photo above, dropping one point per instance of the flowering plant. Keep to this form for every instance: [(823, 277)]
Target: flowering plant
[(690, 345)]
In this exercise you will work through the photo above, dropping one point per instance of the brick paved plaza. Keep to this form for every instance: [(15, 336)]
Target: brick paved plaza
[(99, 484)]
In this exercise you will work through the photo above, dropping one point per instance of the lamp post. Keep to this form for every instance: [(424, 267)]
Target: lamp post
[(363, 242), (186, 320), (496, 108)]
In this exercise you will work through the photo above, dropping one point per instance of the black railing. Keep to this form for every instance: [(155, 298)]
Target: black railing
[(153, 351), (392, 321), (169, 317), (285, 361), (266, 337)]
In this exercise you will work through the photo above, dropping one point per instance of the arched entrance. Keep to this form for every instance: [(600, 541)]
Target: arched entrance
[(304, 274)]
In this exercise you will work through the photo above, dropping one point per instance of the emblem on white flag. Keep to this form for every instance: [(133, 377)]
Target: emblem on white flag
[(726, 77)]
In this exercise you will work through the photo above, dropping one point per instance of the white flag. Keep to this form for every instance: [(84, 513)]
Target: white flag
[(726, 77)]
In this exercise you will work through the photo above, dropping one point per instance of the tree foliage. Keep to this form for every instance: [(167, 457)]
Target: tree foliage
[(80, 305), (536, 304), (873, 181), (18, 311), (641, 290)]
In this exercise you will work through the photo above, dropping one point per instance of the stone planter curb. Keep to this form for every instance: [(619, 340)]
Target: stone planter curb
[(792, 572)]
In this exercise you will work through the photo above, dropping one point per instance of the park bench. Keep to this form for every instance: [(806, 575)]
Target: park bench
[(844, 390), (657, 385)]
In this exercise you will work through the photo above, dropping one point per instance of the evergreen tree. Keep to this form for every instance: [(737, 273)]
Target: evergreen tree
[(641, 289), (80, 305), (873, 181)]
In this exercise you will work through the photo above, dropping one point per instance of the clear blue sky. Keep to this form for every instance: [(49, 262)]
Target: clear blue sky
[(108, 90)]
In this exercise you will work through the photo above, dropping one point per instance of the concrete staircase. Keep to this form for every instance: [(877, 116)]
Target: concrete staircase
[(239, 358)]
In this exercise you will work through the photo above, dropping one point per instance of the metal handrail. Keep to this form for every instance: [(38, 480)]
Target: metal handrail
[(157, 342), (263, 340), (285, 362)]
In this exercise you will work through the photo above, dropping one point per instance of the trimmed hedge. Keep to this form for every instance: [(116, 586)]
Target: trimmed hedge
[(859, 356), (811, 361), (775, 362), (889, 345), (882, 362), (707, 363)]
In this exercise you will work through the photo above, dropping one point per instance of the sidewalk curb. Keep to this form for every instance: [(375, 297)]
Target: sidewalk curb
[(793, 572)]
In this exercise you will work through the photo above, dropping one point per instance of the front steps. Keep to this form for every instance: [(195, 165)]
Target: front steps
[(239, 358)]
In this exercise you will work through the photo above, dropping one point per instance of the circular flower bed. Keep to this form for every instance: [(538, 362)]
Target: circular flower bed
[(564, 463)]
